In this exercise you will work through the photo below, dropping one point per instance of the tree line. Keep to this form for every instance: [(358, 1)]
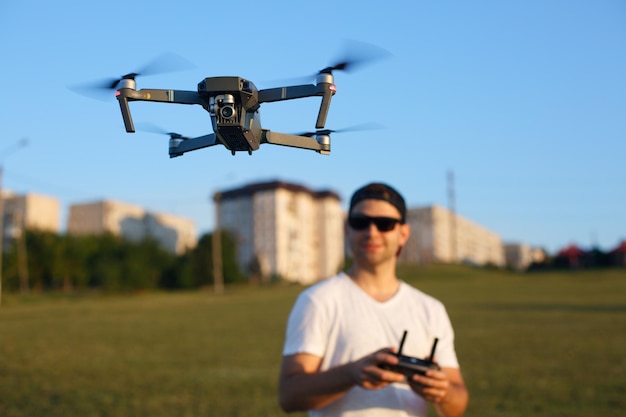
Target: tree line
[(46, 261)]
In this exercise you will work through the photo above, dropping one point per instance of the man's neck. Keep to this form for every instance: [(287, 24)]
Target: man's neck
[(379, 283)]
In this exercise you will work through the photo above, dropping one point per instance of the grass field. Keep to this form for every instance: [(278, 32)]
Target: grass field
[(548, 344)]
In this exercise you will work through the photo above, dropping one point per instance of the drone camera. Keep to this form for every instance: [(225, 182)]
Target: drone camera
[(227, 111), (223, 106)]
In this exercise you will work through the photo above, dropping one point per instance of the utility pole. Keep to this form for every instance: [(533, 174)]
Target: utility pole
[(20, 144), (218, 271)]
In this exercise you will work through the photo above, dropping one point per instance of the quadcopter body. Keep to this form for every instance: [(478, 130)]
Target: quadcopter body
[(233, 104)]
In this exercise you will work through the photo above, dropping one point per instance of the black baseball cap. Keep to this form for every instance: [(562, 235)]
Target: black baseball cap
[(379, 191)]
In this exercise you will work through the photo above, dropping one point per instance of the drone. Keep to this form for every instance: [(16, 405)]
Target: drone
[(233, 104)]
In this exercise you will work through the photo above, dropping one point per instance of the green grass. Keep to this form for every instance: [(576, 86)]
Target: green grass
[(548, 344)]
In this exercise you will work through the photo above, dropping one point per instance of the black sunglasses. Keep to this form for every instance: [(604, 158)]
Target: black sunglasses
[(383, 224)]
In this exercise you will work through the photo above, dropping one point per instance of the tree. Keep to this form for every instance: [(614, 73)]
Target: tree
[(43, 258), (112, 263)]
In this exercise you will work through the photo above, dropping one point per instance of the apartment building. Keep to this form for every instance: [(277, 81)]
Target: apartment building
[(288, 230), (520, 256), (29, 211), (174, 233), (439, 235)]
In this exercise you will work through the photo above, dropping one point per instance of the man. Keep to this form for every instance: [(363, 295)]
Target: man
[(341, 330)]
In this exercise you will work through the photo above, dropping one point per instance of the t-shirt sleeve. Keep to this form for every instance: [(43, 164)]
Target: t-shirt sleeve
[(307, 328)]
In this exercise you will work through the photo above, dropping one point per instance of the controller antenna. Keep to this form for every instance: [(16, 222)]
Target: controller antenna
[(432, 351), (402, 343)]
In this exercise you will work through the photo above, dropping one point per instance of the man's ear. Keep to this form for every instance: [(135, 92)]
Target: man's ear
[(405, 232)]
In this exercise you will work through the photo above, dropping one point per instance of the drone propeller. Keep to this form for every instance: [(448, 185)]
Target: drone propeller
[(342, 66), (360, 127), (165, 63), (151, 128), (356, 54), (110, 84)]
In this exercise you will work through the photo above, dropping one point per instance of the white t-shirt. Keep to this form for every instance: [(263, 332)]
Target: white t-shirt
[(337, 321)]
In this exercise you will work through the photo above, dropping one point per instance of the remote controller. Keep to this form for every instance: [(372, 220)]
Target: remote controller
[(409, 365)]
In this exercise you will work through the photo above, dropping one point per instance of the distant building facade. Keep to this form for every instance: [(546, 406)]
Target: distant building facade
[(286, 230), (519, 256), (174, 233), (29, 211), (439, 235)]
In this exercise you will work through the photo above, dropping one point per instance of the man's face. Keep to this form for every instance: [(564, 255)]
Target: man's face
[(371, 246)]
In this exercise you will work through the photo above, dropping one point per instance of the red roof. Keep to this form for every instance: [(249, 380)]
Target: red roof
[(571, 251)]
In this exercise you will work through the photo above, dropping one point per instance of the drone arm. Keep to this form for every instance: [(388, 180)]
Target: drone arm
[(303, 142), (124, 95), (324, 89), (288, 93), (180, 146), (163, 96)]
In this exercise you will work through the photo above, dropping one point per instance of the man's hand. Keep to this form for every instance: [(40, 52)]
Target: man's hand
[(368, 374), (444, 388), (433, 387)]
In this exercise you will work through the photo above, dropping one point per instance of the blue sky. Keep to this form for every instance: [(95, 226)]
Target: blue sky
[(524, 101)]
